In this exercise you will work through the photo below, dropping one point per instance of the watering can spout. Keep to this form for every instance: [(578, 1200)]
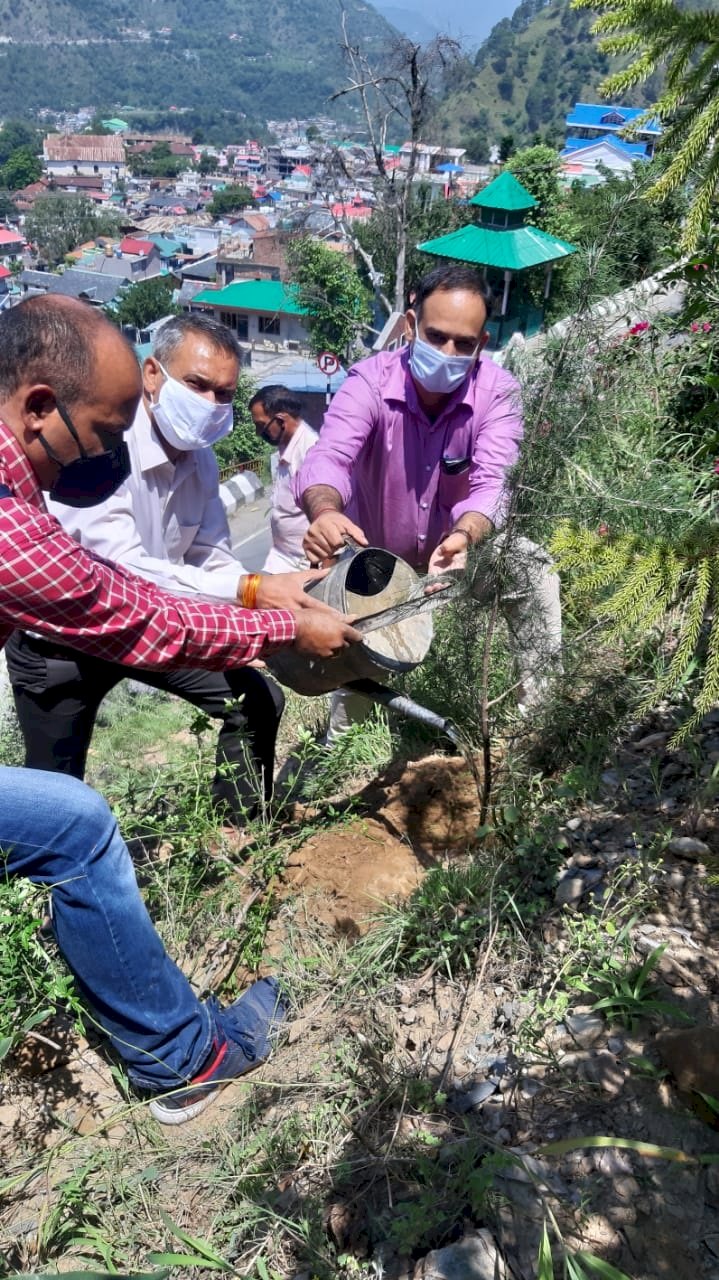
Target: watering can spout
[(405, 706)]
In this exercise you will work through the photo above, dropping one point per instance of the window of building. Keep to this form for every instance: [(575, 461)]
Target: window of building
[(269, 325), (236, 322)]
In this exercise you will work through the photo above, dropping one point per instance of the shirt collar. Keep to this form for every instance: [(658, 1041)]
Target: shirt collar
[(150, 453), (16, 469), (290, 448)]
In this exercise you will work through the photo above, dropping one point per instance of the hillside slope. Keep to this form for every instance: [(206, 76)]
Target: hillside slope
[(527, 75), (255, 58)]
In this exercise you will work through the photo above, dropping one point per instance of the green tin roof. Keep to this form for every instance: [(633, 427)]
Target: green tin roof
[(253, 295), (510, 250), (506, 193), (166, 246)]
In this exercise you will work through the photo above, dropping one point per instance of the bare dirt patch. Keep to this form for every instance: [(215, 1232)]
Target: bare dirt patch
[(418, 814)]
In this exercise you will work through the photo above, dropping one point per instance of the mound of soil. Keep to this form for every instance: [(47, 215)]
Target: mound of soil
[(418, 815)]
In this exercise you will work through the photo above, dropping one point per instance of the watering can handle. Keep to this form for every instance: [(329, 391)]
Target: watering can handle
[(351, 543)]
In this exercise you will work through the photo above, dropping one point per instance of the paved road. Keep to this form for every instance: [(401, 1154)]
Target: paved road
[(250, 532)]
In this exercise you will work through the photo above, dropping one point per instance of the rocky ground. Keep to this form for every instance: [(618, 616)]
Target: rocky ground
[(482, 1106)]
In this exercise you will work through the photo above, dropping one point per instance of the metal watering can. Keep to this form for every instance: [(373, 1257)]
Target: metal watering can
[(387, 597)]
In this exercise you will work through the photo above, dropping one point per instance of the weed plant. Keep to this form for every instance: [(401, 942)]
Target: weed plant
[(33, 980)]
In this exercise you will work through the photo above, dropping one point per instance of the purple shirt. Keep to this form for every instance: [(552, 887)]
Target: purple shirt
[(381, 452)]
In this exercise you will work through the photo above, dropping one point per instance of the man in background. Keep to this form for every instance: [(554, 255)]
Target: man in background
[(277, 416)]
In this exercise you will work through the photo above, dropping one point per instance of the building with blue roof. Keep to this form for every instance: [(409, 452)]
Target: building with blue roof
[(590, 122)]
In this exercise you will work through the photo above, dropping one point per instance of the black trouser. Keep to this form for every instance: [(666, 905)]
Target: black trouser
[(58, 692)]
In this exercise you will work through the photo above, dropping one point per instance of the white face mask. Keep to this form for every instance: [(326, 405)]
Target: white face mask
[(186, 419), (435, 371)]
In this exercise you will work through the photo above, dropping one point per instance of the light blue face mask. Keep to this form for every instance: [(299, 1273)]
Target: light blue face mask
[(436, 372)]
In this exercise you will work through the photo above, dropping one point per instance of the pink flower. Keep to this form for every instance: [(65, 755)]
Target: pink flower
[(716, 466), (640, 327), (694, 326), (603, 529), (706, 327)]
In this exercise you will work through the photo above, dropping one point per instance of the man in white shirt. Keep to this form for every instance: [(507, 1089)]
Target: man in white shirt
[(166, 523), (277, 416)]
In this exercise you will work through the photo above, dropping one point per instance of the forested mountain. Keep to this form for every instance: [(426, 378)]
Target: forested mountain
[(527, 75), (257, 58)]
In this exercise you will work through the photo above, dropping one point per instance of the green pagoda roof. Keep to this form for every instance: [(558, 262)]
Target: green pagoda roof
[(506, 193), (509, 250)]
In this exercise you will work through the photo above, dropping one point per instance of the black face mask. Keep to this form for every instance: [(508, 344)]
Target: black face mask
[(264, 433), (91, 478)]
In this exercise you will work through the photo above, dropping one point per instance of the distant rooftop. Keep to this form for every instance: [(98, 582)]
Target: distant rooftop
[(590, 115), (635, 150), (253, 295), (84, 148)]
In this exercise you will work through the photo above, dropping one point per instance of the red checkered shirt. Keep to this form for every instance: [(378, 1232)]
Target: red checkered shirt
[(51, 585)]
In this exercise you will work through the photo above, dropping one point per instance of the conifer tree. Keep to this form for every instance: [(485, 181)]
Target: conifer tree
[(658, 34)]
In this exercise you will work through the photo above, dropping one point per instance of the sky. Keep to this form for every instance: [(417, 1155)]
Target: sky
[(469, 21)]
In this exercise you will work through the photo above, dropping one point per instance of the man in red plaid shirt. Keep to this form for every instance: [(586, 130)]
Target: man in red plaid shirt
[(69, 388)]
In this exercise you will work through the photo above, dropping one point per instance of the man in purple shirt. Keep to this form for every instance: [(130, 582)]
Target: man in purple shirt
[(413, 456)]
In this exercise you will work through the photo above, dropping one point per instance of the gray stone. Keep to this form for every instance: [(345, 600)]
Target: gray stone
[(585, 1028), (484, 1040), (573, 824), (569, 891), (499, 1065), (605, 1071), (610, 779), (688, 847), (474, 1257), (652, 741), (474, 1097)]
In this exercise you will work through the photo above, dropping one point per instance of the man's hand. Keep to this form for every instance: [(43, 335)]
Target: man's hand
[(325, 536), (287, 591), (324, 635), (450, 554)]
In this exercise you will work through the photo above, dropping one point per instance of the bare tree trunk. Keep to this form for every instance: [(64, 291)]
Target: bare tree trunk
[(399, 95)]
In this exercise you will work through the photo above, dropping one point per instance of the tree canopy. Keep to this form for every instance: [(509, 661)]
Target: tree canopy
[(145, 301), (20, 169), (234, 197), (329, 287), (57, 223)]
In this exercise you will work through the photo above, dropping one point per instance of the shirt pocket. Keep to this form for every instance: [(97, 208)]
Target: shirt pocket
[(453, 488)]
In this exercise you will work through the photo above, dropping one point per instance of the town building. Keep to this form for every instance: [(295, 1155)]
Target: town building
[(85, 154), (588, 122), (263, 313)]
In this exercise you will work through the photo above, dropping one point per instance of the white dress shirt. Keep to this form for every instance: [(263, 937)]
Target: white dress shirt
[(166, 522), (288, 522)]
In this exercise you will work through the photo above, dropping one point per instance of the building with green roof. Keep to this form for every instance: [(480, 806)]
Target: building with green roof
[(263, 312), (505, 245)]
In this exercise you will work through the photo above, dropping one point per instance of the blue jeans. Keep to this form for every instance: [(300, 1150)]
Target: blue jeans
[(58, 832)]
